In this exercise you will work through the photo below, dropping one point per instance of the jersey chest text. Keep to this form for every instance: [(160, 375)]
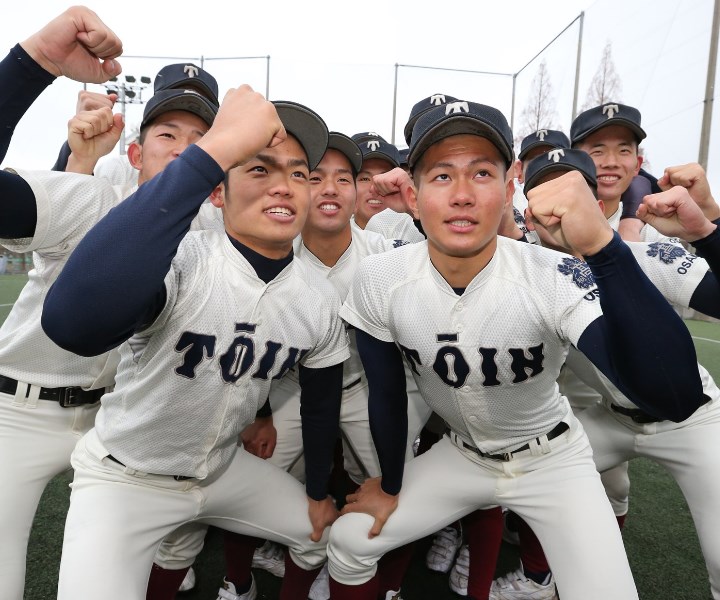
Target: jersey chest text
[(454, 367), (239, 358)]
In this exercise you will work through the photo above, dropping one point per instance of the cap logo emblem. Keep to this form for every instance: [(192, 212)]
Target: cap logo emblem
[(437, 99), (191, 70), (540, 134), (373, 145), (610, 110), (554, 155), (457, 107)]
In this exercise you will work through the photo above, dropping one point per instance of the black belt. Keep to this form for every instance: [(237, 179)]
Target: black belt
[(637, 415), (67, 397), (175, 477), (353, 384), (556, 431)]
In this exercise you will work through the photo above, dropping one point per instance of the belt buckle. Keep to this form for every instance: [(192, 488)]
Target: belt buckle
[(69, 397)]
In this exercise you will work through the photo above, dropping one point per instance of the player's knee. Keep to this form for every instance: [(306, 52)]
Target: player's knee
[(352, 557)]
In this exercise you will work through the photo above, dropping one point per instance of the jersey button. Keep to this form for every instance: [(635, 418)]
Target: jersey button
[(472, 419), (459, 306)]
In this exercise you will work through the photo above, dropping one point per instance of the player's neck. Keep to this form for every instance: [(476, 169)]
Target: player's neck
[(459, 271), (328, 247), (611, 207)]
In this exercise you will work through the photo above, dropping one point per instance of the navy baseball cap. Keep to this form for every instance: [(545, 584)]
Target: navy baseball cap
[(306, 126), (404, 156), (345, 145), (421, 108), (373, 145), (543, 137), (560, 160), (187, 76), (602, 116), (457, 118), (175, 99)]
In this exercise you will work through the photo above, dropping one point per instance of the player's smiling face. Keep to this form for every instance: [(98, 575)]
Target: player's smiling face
[(462, 193), (265, 200), (369, 202), (165, 139), (332, 194), (615, 154)]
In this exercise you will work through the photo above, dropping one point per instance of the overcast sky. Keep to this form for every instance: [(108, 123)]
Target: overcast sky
[(339, 59)]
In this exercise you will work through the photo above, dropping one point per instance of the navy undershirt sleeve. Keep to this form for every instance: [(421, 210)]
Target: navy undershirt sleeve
[(113, 283), (639, 342), (320, 397), (387, 405), (63, 156), (22, 80), (264, 411), (706, 297)]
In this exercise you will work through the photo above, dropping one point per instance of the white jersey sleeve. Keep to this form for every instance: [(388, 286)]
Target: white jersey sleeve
[(117, 170), (68, 205), (394, 226), (671, 268)]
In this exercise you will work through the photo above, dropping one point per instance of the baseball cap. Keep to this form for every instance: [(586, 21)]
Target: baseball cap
[(373, 145), (306, 126), (176, 99), (456, 118), (604, 115), (560, 160), (543, 137), (187, 76), (421, 108), (404, 156), (345, 145)]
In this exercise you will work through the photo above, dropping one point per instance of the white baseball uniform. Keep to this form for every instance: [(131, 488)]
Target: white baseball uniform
[(487, 362), (40, 434), (185, 388), (359, 451), (37, 436), (688, 450)]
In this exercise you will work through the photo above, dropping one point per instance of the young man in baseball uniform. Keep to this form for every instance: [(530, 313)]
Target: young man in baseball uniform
[(50, 396), (444, 306), (209, 330), (618, 430)]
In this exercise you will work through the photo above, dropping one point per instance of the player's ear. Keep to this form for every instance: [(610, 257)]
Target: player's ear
[(134, 154), (601, 204), (517, 167), (640, 162), (409, 194), (509, 187), (217, 196)]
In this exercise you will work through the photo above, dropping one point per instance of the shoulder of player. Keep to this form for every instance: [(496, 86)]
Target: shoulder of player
[(315, 285), (370, 242)]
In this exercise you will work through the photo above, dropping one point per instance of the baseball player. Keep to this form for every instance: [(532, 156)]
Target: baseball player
[(55, 401), (379, 156), (396, 221), (48, 397), (513, 439), (208, 331), (617, 429)]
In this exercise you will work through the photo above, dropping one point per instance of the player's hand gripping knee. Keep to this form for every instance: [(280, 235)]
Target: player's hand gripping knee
[(372, 500), (78, 45), (322, 513)]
